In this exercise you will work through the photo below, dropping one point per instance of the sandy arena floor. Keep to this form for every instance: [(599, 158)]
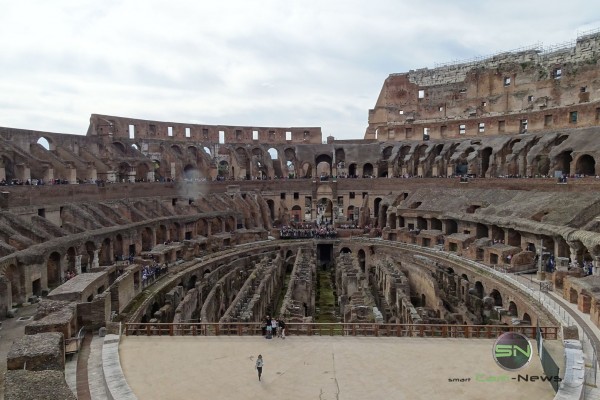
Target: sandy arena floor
[(341, 368)]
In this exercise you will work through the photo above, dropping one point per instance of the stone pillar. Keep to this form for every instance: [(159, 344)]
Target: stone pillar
[(72, 175), (173, 171), (2, 173), (131, 175), (450, 170), (150, 176), (78, 264), (96, 262), (522, 165)]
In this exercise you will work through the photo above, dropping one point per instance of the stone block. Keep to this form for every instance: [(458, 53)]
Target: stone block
[(37, 352), (38, 385), (570, 332)]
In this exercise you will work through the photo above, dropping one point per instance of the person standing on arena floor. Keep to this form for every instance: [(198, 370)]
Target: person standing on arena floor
[(259, 365)]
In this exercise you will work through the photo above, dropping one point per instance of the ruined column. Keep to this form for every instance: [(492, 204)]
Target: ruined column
[(78, 264), (96, 262)]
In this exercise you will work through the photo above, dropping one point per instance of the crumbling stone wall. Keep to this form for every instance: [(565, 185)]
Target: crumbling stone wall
[(299, 301)]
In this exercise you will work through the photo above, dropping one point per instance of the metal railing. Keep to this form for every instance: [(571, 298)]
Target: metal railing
[(335, 329)]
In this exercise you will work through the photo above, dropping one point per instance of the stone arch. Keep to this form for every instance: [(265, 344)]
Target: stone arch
[(123, 171), (273, 153), (387, 153), (350, 213), (514, 238), (176, 149), (479, 290), (367, 170), (324, 163), (345, 250), (307, 170), (451, 226), (119, 247), (147, 240), (46, 142), (526, 319), (106, 256), (436, 224), (352, 170), (563, 162), (325, 209), (223, 169), (271, 206), (482, 231), (495, 294), (486, 154), (161, 234), (190, 173), (54, 272), (141, 172), (512, 309), (586, 165), (174, 230), (71, 258), (120, 147)]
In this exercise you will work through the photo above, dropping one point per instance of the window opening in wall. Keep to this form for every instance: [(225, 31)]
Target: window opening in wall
[(408, 132), (548, 120), (170, 131), (583, 89), (288, 135), (463, 91), (296, 195), (254, 135), (282, 195), (271, 135), (443, 130), (173, 202), (414, 205), (530, 98), (507, 81), (152, 129), (573, 117), (352, 195), (238, 134), (188, 132), (42, 212), (441, 108), (205, 134), (425, 133), (466, 232), (221, 137), (557, 73), (523, 126), (481, 127), (501, 126), (131, 131), (462, 129), (401, 112), (421, 94), (365, 194), (483, 104)]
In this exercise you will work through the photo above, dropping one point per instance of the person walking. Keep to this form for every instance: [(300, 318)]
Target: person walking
[(259, 365)]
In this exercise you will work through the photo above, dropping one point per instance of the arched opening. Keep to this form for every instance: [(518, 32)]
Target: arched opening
[(573, 296), (512, 309), (141, 172), (345, 250), (90, 251), (207, 151), (421, 223), (436, 224), (123, 172), (485, 161), (526, 319), (324, 211), (119, 247), (451, 226), (514, 238), (223, 169), (273, 153), (367, 170), (350, 213), (105, 253), (423, 300), (176, 149), (482, 231), (53, 269), (174, 232), (296, 213), (352, 171), (376, 204), (161, 234), (361, 260), (307, 170), (120, 148), (71, 258), (479, 289), (147, 241), (497, 298), (563, 162), (586, 165), (190, 173), (45, 143)]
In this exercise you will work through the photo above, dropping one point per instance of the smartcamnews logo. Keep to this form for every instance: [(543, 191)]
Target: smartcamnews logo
[(512, 351)]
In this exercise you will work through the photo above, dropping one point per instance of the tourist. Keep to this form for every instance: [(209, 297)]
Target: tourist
[(274, 324), (259, 365), (281, 328)]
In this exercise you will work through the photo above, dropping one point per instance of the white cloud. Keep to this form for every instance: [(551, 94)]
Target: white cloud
[(291, 63)]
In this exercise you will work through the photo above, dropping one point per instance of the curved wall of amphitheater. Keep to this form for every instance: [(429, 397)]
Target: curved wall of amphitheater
[(225, 210)]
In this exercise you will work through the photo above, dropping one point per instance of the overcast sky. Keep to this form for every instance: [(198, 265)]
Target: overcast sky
[(256, 63)]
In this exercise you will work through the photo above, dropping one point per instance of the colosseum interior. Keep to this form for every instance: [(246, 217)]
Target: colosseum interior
[(466, 172)]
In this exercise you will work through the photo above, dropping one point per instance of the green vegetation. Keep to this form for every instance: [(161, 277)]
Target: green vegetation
[(325, 299)]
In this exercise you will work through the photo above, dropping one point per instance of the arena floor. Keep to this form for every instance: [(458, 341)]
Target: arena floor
[(341, 368)]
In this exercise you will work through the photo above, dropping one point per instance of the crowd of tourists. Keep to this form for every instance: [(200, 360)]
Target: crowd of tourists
[(315, 231), (152, 272), (273, 327)]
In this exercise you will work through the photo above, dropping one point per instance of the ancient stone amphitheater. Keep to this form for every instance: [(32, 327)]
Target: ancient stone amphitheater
[(466, 172)]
